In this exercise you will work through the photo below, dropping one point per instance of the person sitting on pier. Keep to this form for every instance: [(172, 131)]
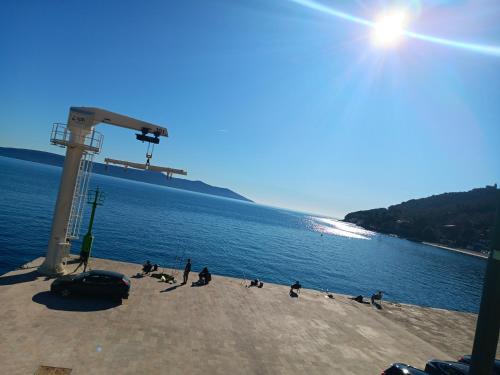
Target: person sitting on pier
[(294, 287), (204, 276), (377, 297), (147, 267), (257, 283)]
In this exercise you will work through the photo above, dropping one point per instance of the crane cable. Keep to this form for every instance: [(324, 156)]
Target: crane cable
[(149, 155)]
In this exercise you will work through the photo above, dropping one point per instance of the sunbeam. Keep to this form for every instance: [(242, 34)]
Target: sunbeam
[(479, 48)]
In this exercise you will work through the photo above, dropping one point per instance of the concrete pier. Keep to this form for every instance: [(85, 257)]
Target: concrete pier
[(222, 328)]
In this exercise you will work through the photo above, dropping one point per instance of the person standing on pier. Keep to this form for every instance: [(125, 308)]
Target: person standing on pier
[(84, 260), (187, 269)]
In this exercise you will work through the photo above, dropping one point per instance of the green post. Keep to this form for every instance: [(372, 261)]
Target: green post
[(488, 320), (89, 238)]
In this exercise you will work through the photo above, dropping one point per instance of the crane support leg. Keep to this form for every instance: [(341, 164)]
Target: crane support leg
[(58, 243)]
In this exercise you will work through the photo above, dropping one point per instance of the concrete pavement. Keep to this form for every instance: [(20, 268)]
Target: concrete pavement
[(222, 328)]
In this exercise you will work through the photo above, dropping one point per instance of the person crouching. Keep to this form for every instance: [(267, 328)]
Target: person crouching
[(204, 276)]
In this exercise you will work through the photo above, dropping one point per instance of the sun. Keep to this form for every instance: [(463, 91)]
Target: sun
[(389, 27)]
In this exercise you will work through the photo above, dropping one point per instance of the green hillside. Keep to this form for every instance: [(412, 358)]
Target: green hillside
[(462, 219)]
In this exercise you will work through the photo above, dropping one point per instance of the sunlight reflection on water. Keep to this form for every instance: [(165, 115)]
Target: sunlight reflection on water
[(339, 228)]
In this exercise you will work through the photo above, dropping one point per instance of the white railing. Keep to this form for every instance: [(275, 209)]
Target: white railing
[(62, 136)]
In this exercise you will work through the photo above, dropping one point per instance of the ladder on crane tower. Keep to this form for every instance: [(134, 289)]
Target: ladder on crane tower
[(79, 196), (91, 143)]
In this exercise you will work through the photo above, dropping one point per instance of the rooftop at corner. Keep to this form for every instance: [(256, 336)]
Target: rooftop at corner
[(220, 328)]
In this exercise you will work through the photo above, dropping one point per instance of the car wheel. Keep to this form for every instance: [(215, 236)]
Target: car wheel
[(65, 292)]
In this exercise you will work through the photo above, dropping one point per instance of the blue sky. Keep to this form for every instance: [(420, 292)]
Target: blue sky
[(284, 104)]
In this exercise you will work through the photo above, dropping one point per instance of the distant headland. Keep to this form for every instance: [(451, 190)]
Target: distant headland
[(129, 174), (459, 220)]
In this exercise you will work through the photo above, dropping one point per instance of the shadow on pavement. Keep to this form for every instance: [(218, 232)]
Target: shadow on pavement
[(198, 283), (56, 302), (19, 278), (169, 289)]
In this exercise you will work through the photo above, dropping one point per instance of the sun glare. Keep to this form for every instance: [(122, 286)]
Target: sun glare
[(389, 27)]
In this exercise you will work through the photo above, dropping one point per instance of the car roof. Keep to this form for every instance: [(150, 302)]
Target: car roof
[(411, 370), (106, 273), (458, 365), (467, 359)]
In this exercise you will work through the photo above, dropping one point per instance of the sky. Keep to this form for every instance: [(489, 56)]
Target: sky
[(283, 103)]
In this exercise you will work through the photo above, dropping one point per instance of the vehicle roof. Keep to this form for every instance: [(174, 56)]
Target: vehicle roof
[(458, 365), (106, 273), (467, 358), (411, 369)]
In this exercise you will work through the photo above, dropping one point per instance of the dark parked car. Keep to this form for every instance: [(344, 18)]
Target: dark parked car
[(437, 367), (496, 366), (94, 283), (402, 369)]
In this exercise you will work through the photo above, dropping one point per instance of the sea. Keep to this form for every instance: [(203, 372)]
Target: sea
[(140, 222)]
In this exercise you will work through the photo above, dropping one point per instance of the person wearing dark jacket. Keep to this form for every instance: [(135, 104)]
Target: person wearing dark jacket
[(147, 267), (295, 287), (377, 297), (204, 276), (187, 269)]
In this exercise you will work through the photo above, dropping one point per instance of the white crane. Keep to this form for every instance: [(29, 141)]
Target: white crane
[(82, 142)]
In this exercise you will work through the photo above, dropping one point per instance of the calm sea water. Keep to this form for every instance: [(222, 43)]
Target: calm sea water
[(140, 221)]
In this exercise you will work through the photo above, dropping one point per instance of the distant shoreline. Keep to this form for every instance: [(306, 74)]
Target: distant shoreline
[(463, 251), (132, 174)]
